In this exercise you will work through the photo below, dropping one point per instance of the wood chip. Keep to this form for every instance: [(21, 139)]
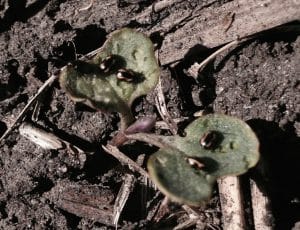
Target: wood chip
[(206, 26), (87, 201), (41, 137)]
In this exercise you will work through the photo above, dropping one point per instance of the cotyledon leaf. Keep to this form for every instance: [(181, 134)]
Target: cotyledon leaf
[(185, 168), (171, 172), (130, 50), (137, 52)]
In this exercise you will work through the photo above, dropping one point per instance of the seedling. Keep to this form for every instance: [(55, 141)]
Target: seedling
[(186, 168), (124, 69)]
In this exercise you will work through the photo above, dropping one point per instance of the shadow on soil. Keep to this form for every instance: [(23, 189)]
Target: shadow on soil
[(279, 175), (17, 11)]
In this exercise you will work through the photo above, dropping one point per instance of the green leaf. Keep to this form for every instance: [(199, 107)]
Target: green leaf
[(171, 172), (131, 50), (138, 55), (185, 168)]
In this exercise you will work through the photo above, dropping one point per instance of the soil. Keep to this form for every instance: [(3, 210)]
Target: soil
[(257, 82)]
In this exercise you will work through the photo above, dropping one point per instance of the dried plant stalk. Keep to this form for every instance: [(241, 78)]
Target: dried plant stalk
[(262, 216), (231, 203)]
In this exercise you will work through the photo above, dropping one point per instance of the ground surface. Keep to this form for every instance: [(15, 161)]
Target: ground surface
[(258, 82)]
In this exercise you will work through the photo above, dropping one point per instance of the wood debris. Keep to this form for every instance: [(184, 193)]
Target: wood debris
[(162, 109), (196, 68), (30, 103), (87, 201), (231, 203), (124, 192), (41, 137), (261, 208), (115, 152), (206, 25)]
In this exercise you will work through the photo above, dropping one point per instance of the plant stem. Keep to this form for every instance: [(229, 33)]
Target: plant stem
[(126, 120)]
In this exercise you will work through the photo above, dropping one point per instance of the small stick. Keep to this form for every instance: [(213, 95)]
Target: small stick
[(36, 111), (152, 139), (122, 197), (231, 203), (213, 227), (192, 213), (114, 151), (47, 84), (124, 192), (162, 210), (193, 218), (186, 224), (162, 109), (196, 68)]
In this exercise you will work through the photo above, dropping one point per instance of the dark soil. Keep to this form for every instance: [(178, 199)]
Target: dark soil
[(258, 82)]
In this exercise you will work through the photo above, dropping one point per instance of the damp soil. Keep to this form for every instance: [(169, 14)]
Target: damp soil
[(258, 82)]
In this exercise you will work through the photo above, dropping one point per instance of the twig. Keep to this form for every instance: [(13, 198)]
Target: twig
[(122, 197), (29, 104), (231, 203), (192, 213), (36, 110), (114, 151), (152, 139), (262, 215), (213, 227), (196, 68), (162, 109), (124, 192), (163, 209)]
